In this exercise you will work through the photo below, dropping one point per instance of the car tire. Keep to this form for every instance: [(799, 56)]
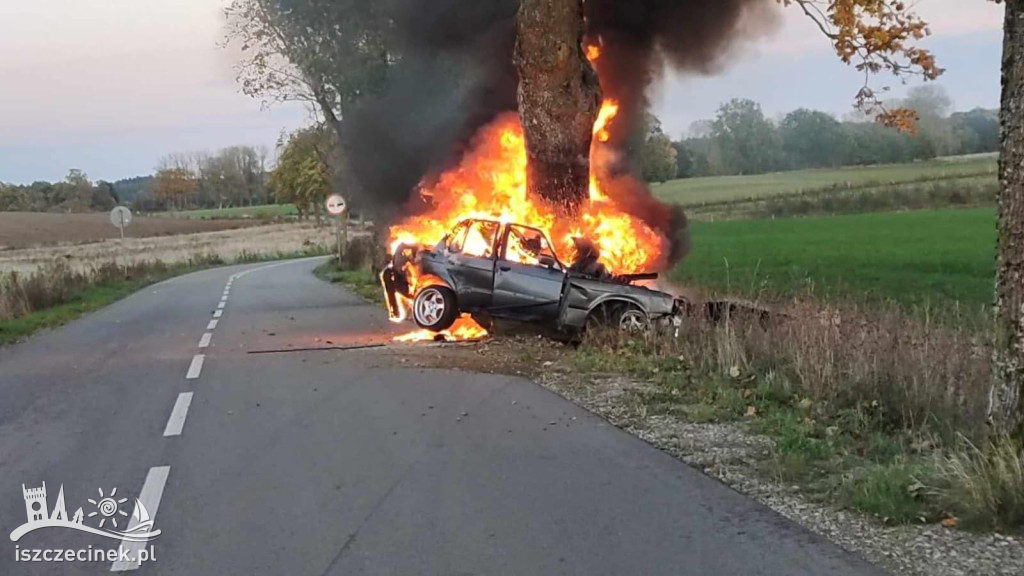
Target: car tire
[(435, 308), (627, 318), (632, 320)]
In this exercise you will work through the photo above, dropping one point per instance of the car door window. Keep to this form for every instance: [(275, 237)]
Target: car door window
[(457, 238), (529, 246), (480, 240)]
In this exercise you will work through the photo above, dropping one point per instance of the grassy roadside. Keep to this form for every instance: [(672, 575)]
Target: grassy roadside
[(360, 280), (56, 295), (879, 414)]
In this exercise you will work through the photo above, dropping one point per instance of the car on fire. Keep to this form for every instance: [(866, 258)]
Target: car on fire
[(490, 269)]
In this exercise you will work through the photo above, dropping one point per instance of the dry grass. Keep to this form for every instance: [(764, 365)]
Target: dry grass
[(229, 245), (30, 229), (983, 487), (908, 373), (58, 283)]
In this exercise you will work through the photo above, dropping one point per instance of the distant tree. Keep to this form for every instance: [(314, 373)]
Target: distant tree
[(872, 143), (976, 131), (74, 194), (128, 190), (812, 139), (303, 176), (174, 187), (652, 152), (934, 132), (928, 100), (684, 160), (748, 142), (13, 198), (658, 159), (103, 196)]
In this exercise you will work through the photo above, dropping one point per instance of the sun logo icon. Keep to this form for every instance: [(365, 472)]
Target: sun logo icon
[(107, 507)]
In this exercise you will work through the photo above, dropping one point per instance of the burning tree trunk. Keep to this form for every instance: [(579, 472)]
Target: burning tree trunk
[(559, 97), (1006, 409)]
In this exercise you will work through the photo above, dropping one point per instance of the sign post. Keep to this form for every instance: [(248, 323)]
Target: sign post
[(336, 207), (121, 217)]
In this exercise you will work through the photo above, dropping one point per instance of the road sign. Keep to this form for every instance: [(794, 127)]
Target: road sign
[(121, 217), (336, 205)]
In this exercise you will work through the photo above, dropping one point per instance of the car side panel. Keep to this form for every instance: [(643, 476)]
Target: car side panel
[(474, 280), (528, 291)]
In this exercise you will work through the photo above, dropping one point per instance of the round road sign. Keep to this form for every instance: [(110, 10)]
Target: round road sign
[(336, 205), (121, 217)]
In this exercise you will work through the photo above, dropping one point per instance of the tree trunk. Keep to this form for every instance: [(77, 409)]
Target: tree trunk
[(1006, 405), (559, 97)]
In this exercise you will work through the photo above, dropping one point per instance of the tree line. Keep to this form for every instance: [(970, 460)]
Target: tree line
[(741, 140), (76, 193), (234, 176)]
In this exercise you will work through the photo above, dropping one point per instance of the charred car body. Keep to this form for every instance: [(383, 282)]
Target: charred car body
[(491, 269)]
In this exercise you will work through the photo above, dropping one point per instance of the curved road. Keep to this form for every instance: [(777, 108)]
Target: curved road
[(334, 462)]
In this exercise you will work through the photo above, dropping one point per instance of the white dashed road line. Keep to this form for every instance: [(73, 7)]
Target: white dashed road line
[(218, 313), (196, 367), (152, 491), (176, 422), (204, 342), (221, 305), (212, 325)]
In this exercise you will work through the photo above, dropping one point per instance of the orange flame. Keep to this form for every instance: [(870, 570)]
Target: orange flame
[(593, 52), (465, 328), (490, 183), (609, 110)]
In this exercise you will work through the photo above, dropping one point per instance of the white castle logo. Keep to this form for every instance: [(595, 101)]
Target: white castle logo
[(139, 527)]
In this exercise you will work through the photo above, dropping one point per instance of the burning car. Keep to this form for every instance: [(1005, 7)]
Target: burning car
[(493, 269)]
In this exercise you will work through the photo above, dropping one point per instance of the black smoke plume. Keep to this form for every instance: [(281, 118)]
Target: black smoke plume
[(456, 74), (640, 38)]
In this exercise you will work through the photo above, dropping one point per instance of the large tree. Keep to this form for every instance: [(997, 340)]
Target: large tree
[(1006, 412), (749, 142), (329, 54), (302, 176), (559, 98)]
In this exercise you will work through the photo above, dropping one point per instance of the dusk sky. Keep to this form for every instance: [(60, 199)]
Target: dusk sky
[(110, 86)]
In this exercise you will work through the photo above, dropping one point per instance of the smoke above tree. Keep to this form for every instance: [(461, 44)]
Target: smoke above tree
[(455, 73)]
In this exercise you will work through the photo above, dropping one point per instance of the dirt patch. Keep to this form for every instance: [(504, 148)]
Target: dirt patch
[(31, 229)]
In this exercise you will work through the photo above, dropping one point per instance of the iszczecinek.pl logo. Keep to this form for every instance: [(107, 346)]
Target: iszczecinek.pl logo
[(106, 512)]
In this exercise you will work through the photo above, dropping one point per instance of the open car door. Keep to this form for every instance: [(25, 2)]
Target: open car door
[(529, 277), (471, 255)]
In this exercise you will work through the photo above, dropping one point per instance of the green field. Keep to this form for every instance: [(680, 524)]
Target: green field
[(938, 258), (268, 211), (718, 189)]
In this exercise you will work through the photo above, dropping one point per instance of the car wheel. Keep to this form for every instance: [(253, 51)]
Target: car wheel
[(435, 308), (633, 320)]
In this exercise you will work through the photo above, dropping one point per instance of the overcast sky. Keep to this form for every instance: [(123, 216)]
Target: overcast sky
[(110, 86)]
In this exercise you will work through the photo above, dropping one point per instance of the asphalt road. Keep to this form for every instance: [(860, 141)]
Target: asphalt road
[(337, 462)]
